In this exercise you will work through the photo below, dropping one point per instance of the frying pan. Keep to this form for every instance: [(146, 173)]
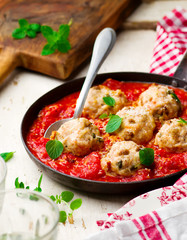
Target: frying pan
[(75, 85)]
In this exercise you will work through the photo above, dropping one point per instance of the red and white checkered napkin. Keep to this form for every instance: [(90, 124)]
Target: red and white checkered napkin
[(171, 42), (165, 223)]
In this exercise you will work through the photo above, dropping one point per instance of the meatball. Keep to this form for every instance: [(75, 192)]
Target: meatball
[(160, 101), (122, 159), (79, 136), (95, 106), (172, 136), (137, 124)]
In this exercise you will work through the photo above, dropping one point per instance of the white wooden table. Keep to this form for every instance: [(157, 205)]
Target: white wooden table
[(132, 52)]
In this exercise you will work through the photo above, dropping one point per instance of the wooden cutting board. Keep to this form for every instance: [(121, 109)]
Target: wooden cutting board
[(89, 18)]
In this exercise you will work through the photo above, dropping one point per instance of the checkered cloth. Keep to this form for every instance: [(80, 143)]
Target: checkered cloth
[(171, 42)]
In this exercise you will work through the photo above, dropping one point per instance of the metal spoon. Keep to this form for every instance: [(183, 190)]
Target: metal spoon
[(102, 46)]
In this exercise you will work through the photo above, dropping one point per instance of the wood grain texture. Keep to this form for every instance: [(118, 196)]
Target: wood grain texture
[(89, 18)]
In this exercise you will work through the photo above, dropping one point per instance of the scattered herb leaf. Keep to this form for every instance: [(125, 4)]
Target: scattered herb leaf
[(102, 116), (174, 96), (76, 204), (67, 196), (7, 155), (146, 156), (38, 189), (110, 101), (54, 148), (113, 124), (26, 29), (63, 217), (182, 121)]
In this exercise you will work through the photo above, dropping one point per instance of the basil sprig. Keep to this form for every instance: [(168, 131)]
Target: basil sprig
[(54, 148), (110, 101), (146, 156), (26, 29)]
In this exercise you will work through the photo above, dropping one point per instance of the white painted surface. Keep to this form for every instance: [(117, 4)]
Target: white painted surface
[(132, 52)]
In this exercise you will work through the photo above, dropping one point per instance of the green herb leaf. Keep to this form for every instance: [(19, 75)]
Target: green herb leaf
[(110, 101), (102, 116), (19, 184), (64, 31), (48, 33), (7, 155), (23, 23), (35, 27), (48, 49), (31, 33), (67, 196), (53, 198), (146, 156), (18, 33), (174, 96), (63, 216), (54, 148), (113, 124), (38, 189), (26, 29), (76, 204), (56, 40), (182, 121)]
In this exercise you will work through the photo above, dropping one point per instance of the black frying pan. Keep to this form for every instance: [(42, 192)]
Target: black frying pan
[(96, 186)]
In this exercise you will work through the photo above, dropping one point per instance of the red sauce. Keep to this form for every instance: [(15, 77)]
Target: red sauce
[(89, 167)]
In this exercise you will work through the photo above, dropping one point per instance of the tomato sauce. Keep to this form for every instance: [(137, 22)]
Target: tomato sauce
[(89, 167)]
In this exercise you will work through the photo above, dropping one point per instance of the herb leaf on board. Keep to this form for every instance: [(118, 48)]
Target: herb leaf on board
[(26, 29), (7, 155)]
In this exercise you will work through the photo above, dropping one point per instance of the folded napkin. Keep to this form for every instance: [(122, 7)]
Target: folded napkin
[(166, 223), (171, 42)]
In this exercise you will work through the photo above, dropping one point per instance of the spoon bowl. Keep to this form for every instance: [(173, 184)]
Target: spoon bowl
[(102, 47)]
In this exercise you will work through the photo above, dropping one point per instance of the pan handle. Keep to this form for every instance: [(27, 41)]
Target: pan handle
[(181, 72)]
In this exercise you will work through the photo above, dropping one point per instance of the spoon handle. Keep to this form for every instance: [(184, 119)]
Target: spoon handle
[(103, 45)]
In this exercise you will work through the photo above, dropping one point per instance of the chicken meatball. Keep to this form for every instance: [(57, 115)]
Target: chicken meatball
[(122, 159), (160, 101), (172, 136), (79, 136), (137, 124), (95, 105)]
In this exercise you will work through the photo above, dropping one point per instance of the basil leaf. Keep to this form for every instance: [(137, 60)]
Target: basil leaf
[(7, 155), (18, 33), (63, 45), (54, 148), (48, 49), (31, 33), (23, 23), (63, 31), (146, 156), (62, 217), (110, 101), (35, 27), (53, 198), (104, 115), (67, 196), (113, 124), (76, 204), (182, 121)]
